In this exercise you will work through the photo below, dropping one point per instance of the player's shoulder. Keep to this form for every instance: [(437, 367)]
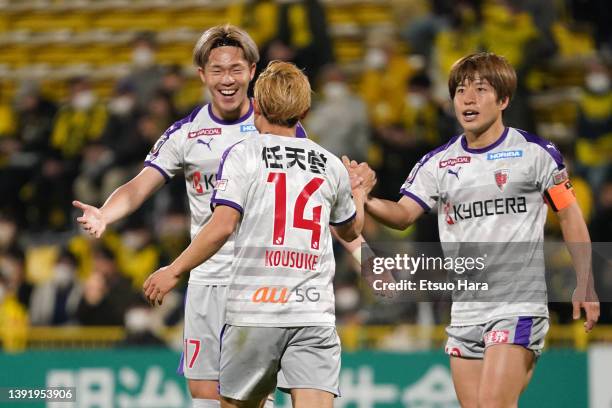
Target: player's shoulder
[(537, 144), (442, 152), (183, 126)]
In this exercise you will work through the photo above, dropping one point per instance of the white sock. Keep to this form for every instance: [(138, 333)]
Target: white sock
[(205, 403)]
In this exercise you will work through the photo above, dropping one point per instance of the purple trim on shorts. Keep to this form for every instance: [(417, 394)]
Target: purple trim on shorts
[(486, 148), (219, 201), (349, 219), (230, 122), (300, 132), (543, 143), (415, 198), (523, 331), (149, 163)]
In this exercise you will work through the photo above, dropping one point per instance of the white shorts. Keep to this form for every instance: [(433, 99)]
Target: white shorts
[(251, 358), (471, 341), (204, 319)]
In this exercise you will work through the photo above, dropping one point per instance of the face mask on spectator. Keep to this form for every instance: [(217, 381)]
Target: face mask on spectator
[(83, 100), (597, 82), (63, 275), (375, 58), (415, 100), (137, 320), (335, 90), (347, 299), (121, 105), (143, 57)]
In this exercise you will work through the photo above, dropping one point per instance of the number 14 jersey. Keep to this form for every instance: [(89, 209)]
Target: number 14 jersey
[(288, 191)]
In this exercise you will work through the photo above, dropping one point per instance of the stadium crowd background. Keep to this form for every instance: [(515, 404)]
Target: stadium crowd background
[(87, 87)]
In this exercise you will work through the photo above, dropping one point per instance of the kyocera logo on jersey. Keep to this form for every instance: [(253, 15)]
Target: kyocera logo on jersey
[(501, 178), (455, 160), (204, 132), (510, 154), (496, 337), (247, 128)]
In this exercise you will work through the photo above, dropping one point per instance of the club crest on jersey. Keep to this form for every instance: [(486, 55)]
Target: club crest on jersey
[(247, 128), (204, 132), (455, 160), (501, 178)]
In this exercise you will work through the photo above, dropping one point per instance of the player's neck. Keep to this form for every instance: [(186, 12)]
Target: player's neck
[(277, 130), (476, 140), (233, 115)]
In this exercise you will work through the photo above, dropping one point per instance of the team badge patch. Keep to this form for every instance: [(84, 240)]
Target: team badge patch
[(501, 178)]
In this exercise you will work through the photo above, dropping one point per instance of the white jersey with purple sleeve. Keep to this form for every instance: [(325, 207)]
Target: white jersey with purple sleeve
[(288, 190), (193, 146), (490, 195)]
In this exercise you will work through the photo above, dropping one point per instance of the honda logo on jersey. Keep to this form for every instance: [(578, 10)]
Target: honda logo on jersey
[(501, 178)]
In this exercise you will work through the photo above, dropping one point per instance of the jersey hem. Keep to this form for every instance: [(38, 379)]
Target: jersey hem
[(498, 317), (415, 198)]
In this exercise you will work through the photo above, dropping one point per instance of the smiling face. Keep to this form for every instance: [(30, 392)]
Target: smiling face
[(227, 75), (477, 106)]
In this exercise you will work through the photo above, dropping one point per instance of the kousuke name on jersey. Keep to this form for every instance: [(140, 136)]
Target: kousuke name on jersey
[(493, 194), (288, 191), (194, 145)]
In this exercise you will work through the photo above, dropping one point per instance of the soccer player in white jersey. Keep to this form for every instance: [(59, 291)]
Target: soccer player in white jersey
[(490, 184), (280, 193), (225, 56)]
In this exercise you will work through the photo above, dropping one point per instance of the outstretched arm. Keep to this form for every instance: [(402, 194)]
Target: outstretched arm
[(208, 241), (122, 202), (578, 241)]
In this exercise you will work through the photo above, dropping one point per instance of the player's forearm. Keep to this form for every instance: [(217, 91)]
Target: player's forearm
[(208, 241), (390, 213), (130, 196), (578, 241)]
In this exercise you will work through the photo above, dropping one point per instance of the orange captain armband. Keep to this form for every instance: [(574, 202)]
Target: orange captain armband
[(560, 196)]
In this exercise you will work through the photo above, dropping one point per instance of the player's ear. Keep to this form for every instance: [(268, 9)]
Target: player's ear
[(201, 74), (503, 103), (304, 114), (256, 110), (252, 71)]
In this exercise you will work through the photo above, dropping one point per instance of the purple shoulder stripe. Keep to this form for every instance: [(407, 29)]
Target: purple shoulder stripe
[(220, 171), (187, 119), (419, 165), (546, 145)]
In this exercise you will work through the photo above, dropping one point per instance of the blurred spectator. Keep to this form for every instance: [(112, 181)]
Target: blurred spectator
[(146, 75), (13, 319), (8, 232), (173, 85), (55, 302), (302, 37), (106, 294), (386, 72), (601, 225), (119, 152), (139, 326), (12, 266), (594, 125), (339, 119)]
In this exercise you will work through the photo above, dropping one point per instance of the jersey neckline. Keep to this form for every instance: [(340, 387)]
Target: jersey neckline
[(486, 148), (230, 122)]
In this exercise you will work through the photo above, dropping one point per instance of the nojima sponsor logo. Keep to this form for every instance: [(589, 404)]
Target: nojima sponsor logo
[(509, 154), (204, 132), (454, 161), (247, 128)]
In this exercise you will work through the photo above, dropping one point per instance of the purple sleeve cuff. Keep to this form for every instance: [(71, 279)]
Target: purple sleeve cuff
[(219, 201), (415, 198), (349, 219), (156, 167)]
